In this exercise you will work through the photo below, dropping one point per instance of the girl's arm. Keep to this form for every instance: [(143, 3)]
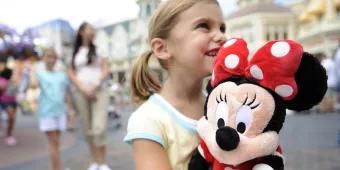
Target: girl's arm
[(33, 82), (89, 92), (72, 76), (149, 155)]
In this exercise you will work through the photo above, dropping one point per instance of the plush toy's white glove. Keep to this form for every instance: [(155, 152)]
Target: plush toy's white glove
[(262, 167)]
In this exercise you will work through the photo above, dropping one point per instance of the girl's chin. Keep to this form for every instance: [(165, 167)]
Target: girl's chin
[(208, 73)]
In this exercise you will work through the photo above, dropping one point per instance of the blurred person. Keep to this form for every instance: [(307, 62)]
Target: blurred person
[(51, 102), (329, 101), (88, 72), (7, 99), (185, 36), (337, 73), (112, 109), (23, 62)]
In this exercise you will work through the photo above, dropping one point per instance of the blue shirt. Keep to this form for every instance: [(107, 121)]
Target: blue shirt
[(53, 86)]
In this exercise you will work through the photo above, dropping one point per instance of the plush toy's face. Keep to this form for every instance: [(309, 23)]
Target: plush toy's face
[(235, 121), (247, 108)]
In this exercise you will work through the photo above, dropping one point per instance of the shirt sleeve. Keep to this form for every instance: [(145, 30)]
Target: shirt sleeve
[(142, 125)]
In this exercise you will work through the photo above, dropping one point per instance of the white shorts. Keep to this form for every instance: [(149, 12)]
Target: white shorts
[(52, 123)]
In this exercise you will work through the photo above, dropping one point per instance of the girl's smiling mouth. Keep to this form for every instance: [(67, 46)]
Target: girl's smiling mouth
[(212, 52)]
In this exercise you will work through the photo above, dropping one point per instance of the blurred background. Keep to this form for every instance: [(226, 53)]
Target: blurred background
[(310, 139)]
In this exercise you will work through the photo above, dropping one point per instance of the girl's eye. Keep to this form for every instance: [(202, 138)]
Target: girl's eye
[(203, 25), (222, 28)]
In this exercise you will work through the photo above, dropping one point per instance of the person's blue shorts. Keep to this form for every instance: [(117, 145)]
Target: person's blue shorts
[(4, 105)]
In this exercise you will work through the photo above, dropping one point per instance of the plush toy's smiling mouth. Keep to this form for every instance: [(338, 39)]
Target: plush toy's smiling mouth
[(212, 52)]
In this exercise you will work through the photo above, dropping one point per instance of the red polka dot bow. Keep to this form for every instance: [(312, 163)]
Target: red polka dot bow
[(273, 66)]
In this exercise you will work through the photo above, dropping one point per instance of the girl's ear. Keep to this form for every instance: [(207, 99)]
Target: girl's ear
[(311, 79), (160, 48)]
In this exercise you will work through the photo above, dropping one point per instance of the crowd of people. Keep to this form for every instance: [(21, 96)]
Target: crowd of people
[(331, 101), (60, 91)]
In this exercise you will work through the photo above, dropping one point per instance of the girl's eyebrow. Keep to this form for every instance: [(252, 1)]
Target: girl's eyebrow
[(207, 19)]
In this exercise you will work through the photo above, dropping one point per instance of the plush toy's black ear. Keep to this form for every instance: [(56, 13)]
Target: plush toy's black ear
[(208, 88), (311, 79)]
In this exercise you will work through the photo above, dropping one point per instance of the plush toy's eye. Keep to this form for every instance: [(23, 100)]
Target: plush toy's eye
[(244, 115), (243, 118), (222, 112)]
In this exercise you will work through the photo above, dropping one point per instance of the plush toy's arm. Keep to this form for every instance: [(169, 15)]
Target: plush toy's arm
[(201, 158), (198, 162), (271, 162)]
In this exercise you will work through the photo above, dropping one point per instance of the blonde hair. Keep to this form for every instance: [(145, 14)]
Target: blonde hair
[(143, 83), (49, 49)]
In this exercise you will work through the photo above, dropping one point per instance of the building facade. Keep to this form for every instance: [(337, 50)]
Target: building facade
[(125, 40), (57, 34), (319, 25), (258, 21), (314, 23)]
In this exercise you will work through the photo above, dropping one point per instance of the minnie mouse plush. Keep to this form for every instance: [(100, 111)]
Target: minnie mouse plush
[(247, 101)]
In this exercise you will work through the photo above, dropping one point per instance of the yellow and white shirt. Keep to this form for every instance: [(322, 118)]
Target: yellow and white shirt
[(158, 121)]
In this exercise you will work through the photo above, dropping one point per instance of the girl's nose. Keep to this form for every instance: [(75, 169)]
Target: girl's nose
[(220, 37)]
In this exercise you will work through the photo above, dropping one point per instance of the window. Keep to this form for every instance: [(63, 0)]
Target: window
[(276, 35), (267, 36), (148, 9), (285, 35)]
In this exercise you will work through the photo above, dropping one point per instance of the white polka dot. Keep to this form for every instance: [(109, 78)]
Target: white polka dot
[(228, 168), (231, 61), (280, 49), (284, 90), (256, 72), (229, 43)]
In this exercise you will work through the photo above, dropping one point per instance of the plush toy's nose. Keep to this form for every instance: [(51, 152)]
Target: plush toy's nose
[(227, 138)]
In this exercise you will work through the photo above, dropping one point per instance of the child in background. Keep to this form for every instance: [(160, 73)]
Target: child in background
[(185, 36), (7, 99), (51, 103)]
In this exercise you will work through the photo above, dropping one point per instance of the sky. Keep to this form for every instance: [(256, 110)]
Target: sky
[(20, 14)]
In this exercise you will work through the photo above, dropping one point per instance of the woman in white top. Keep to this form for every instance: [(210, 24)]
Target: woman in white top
[(87, 72)]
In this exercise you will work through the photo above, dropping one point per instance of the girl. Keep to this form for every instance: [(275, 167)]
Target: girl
[(184, 36), (88, 71), (51, 102)]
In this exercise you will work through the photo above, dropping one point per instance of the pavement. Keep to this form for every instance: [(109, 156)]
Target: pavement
[(310, 142), (31, 153)]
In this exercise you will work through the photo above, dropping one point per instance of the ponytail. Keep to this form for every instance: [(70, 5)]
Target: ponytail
[(143, 83)]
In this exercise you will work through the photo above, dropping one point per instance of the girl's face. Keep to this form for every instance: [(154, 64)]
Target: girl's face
[(196, 38), (88, 32), (50, 58)]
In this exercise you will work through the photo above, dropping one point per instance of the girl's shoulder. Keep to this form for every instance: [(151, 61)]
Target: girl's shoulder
[(150, 111), (148, 108), (157, 109)]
